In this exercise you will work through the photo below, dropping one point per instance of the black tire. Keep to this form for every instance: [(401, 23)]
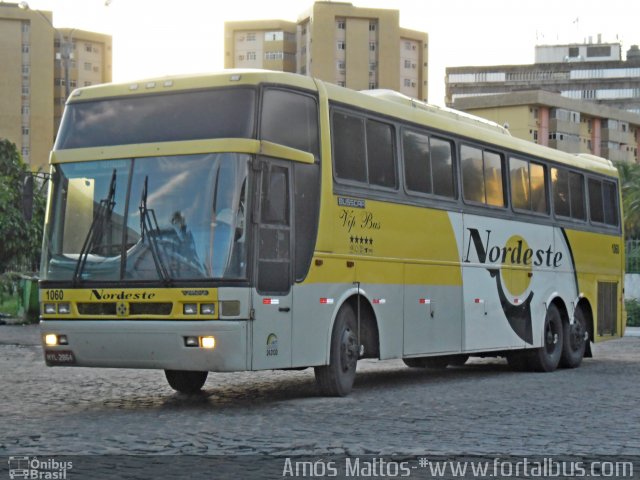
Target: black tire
[(336, 379), (518, 361), (574, 341), (437, 363), (185, 381), (415, 362), (458, 360), (547, 357)]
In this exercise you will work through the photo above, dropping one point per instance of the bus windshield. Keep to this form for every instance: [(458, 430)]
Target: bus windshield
[(155, 218)]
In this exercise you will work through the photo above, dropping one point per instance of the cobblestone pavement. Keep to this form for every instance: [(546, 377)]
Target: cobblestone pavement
[(482, 408)]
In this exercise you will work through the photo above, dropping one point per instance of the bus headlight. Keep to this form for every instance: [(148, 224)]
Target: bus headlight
[(50, 308), (190, 308), (64, 308), (207, 342), (207, 308)]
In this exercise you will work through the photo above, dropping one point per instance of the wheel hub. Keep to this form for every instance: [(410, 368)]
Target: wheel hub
[(348, 350)]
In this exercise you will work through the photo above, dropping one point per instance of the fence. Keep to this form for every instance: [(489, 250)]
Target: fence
[(632, 254)]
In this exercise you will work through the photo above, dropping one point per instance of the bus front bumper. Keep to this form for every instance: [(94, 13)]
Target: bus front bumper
[(146, 344)]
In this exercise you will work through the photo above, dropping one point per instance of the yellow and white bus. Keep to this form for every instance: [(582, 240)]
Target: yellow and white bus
[(254, 220)]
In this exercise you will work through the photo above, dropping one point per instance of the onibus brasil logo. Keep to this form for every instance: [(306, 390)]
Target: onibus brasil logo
[(36, 468), (500, 260)]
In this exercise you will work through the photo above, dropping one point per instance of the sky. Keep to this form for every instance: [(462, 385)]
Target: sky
[(154, 38)]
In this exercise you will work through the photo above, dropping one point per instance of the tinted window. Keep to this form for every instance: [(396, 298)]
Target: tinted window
[(472, 176), (428, 164), (221, 113), (528, 186), (568, 194), (560, 180), (610, 198), (576, 188), (493, 179), (417, 161), (442, 167), (603, 202), (380, 158), (596, 211), (349, 147), (482, 176), (363, 150), (538, 174), (290, 119)]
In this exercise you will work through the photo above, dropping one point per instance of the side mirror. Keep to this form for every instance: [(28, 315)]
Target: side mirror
[(27, 197)]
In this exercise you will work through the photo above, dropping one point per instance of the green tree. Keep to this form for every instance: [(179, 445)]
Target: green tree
[(20, 240)]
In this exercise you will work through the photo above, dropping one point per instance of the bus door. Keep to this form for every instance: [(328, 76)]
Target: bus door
[(272, 298)]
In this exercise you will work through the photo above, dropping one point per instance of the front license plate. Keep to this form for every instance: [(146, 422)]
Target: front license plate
[(59, 357)]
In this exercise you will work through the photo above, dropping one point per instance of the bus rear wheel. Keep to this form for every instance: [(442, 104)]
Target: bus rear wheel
[(336, 379), (547, 357), (574, 341), (185, 381)]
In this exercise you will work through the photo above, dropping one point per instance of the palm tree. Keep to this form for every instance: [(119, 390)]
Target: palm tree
[(630, 186)]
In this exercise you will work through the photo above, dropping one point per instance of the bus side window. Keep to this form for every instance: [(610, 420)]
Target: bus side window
[(349, 147), (610, 198), (380, 154), (442, 168), (576, 187), (472, 176), (596, 210), (560, 182), (603, 202), (417, 161), (528, 186), (290, 119), (482, 180)]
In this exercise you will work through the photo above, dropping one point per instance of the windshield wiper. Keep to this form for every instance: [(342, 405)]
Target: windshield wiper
[(105, 209), (149, 226)]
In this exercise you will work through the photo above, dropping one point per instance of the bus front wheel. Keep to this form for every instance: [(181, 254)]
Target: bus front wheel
[(185, 381), (336, 379)]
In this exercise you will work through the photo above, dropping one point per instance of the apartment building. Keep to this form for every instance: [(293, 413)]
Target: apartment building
[(550, 119), (38, 62), (359, 48), (592, 71)]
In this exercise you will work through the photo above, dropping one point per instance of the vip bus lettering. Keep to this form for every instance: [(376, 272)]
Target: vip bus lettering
[(517, 256)]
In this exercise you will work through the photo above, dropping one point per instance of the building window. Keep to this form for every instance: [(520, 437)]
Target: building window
[(87, 66), (88, 47), (341, 83), (407, 82), (251, 37), (25, 48), (373, 85), (25, 130), (599, 51), (251, 55), (407, 64), (341, 45), (574, 52), (372, 46), (372, 26), (373, 66), (273, 36), (340, 24)]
